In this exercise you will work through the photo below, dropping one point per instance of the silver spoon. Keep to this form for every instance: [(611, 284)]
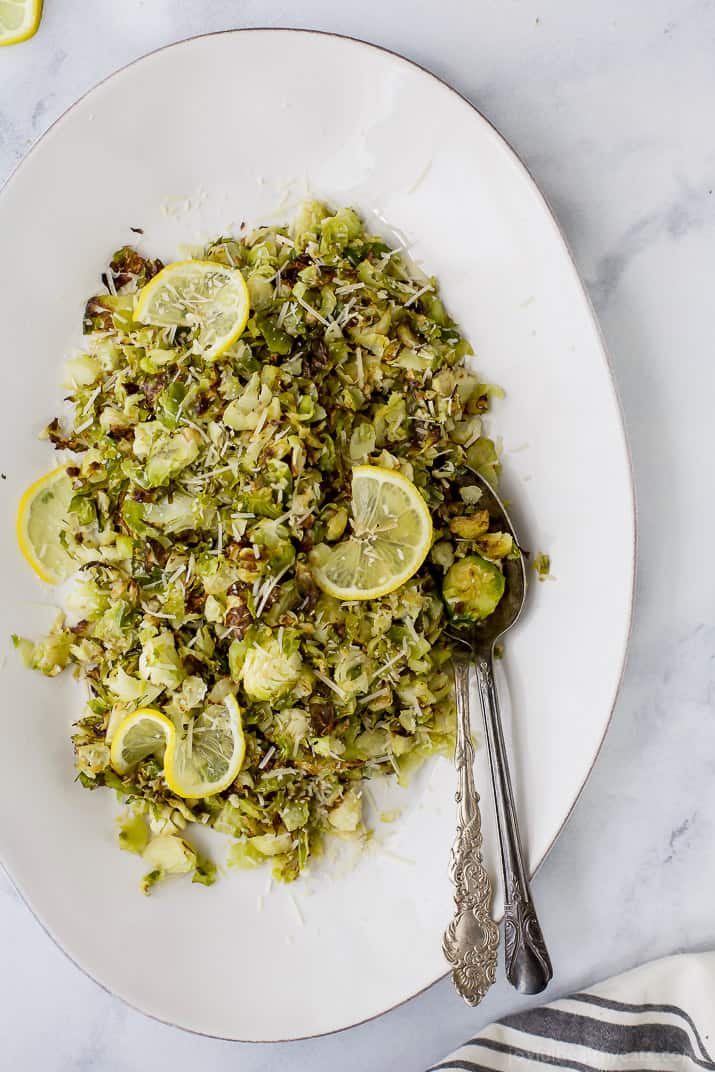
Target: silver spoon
[(470, 941)]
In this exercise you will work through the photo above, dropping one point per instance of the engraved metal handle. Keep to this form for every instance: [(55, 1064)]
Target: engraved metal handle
[(527, 962), (471, 939)]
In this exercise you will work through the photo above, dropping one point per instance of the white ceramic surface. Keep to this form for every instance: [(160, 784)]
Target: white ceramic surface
[(151, 148)]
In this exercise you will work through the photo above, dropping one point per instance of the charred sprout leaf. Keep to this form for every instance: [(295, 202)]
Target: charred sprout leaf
[(201, 493), (108, 312), (128, 267)]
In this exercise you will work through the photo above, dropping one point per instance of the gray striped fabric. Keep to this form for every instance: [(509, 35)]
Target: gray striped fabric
[(657, 1018)]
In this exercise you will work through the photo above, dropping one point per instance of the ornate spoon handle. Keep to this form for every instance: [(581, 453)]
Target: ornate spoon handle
[(528, 966), (471, 939)]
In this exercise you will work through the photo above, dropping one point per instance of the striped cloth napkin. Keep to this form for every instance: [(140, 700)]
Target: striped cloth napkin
[(657, 1018)]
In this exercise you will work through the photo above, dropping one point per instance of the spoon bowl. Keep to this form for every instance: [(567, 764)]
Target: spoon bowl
[(482, 636)]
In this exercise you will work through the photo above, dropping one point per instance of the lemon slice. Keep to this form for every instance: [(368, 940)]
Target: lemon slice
[(200, 763), (209, 757), (208, 297), (41, 517), (392, 533), (144, 733), (19, 20)]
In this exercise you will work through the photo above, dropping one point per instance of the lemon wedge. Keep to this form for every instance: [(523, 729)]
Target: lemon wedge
[(19, 20), (200, 763), (392, 533), (41, 517), (207, 297)]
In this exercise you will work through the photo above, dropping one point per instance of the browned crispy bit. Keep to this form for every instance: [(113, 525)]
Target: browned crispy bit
[(239, 619), (153, 387), (127, 264), (322, 716), (203, 403), (120, 433), (290, 271), (195, 601), (97, 317), (192, 665), (232, 551), (306, 586), (59, 440)]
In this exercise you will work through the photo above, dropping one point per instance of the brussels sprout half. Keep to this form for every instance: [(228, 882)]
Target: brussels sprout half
[(472, 589)]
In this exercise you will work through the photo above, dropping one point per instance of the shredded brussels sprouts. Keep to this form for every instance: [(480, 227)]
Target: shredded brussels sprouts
[(200, 489)]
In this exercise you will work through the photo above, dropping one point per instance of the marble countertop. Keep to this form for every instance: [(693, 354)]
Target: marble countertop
[(610, 105)]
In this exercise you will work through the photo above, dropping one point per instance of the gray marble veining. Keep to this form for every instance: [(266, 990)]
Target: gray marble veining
[(611, 107)]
